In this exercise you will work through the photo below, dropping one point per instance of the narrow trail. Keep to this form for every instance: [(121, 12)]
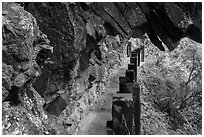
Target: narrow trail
[(94, 123)]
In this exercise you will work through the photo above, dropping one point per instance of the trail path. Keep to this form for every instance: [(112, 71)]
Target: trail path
[(94, 123)]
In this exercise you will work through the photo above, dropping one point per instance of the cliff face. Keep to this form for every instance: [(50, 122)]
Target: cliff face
[(22, 44), (53, 78), (57, 58)]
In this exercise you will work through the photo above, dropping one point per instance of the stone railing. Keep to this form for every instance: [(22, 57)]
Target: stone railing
[(126, 103)]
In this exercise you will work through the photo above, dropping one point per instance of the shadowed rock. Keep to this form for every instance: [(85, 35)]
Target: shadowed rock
[(56, 106)]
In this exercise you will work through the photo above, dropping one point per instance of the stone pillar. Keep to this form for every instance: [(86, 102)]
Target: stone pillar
[(133, 60), (122, 85), (122, 113), (133, 54), (130, 74), (142, 54), (137, 108), (131, 66), (128, 49), (138, 57), (134, 88)]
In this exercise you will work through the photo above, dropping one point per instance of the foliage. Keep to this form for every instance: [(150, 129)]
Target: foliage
[(174, 80)]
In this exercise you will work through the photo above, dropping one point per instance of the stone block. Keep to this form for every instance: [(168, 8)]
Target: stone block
[(134, 88), (128, 49), (122, 85), (122, 113), (130, 76), (142, 54), (133, 54), (137, 108), (138, 57), (131, 66), (130, 87), (133, 59)]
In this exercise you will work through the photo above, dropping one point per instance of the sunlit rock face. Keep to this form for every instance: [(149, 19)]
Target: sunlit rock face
[(58, 57), (22, 107), (54, 76)]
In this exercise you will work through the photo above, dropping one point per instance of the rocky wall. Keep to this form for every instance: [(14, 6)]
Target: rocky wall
[(22, 110), (58, 57), (50, 81)]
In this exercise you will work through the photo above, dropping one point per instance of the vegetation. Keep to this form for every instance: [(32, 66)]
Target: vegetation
[(171, 93)]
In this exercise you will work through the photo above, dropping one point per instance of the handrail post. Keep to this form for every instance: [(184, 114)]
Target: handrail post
[(138, 57), (128, 49), (131, 66), (133, 54), (122, 85), (134, 88), (142, 52), (137, 107), (134, 61), (130, 76), (122, 113)]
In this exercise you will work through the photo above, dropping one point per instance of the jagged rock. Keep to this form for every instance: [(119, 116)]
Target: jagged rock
[(41, 83), (20, 80), (74, 50), (22, 41), (5, 93), (7, 72), (54, 19), (56, 106)]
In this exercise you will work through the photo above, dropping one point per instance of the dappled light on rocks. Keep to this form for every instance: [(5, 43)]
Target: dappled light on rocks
[(97, 68)]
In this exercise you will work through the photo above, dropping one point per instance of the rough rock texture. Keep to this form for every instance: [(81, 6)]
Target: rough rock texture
[(57, 58), (22, 44), (44, 82)]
